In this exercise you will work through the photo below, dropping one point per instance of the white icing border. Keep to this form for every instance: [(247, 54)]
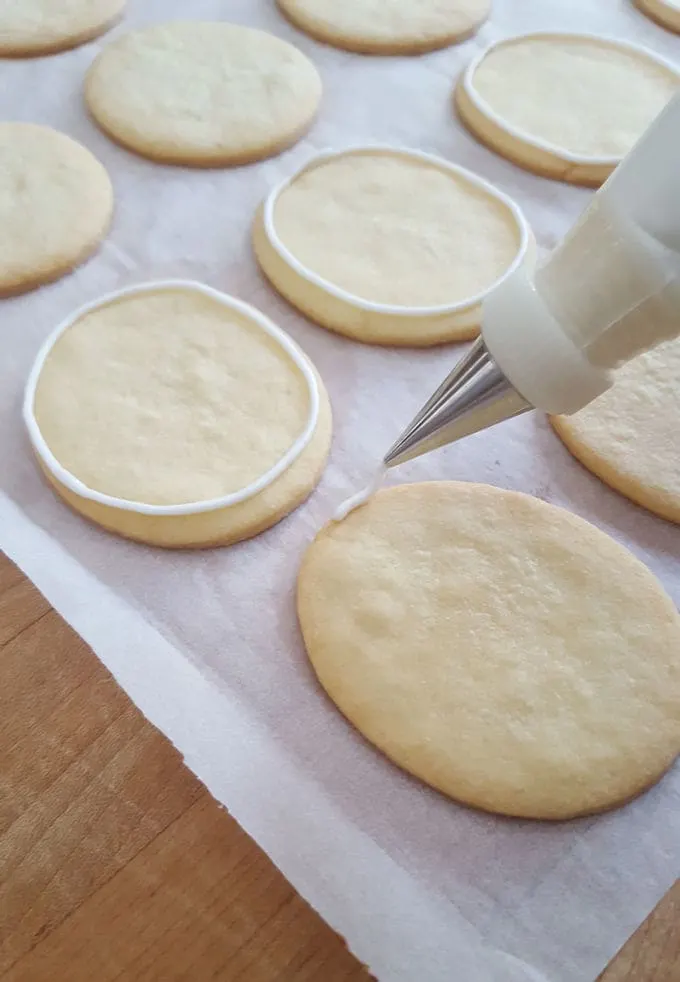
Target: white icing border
[(361, 497), (74, 484), (381, 308), (534, 141)]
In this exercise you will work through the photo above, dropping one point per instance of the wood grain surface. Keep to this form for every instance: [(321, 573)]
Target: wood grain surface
[(117, 866)]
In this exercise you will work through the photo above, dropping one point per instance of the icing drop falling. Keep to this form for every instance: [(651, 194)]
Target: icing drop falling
[(361, 497)]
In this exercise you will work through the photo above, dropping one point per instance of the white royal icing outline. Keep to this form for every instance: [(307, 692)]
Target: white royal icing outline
[(395, 310), (70, 481), (361, 497), (536, 141)]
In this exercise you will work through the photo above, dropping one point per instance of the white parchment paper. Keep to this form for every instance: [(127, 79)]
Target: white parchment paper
[(207, 644)]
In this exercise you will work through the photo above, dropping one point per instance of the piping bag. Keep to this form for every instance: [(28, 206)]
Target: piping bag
[(608, 292)]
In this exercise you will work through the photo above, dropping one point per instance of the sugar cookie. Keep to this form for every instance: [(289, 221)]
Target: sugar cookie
[(664, 12), (389, 246), (203, 94), (503, 650), (388, 26), (629, 436), (175, 415), (567, 106), (56, 202), (41, 27)]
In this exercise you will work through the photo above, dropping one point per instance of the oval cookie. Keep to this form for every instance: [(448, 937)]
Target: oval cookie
[(41, 27), (503, 650), (203, 94), (175, 415), (56, 202), (389, 246), (566, 106), (628, 437), (387, 27)]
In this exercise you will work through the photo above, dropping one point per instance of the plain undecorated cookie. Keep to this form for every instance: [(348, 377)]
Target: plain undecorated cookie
[(176, 416), (389, 246), (388, 26), (566, 106), (629, 437), (41, 27), (203, 94), (664, 12), (56, 203), (503, 650)]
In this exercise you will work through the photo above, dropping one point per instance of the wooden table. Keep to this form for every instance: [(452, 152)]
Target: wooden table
[(116, 864)]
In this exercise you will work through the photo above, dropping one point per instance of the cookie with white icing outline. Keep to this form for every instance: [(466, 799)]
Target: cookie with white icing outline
[(389, 246), (565, 106), (177, 416)]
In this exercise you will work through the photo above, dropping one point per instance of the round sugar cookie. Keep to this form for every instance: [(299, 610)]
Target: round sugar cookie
[(389, 246), (666, 13), (566, 106), (628, 437), (203, 94), (388, 27), (56, 202), (503, 650), (41, 27), (175, 415)]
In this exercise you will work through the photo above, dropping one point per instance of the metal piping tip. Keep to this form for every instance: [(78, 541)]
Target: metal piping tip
[(473, 396)]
